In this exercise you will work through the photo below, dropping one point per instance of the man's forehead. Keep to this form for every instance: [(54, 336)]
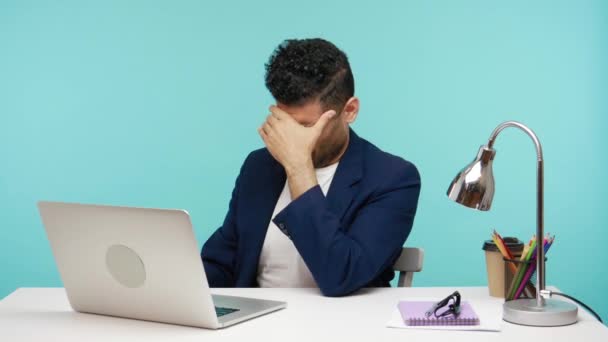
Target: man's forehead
[(306, 113), (313, 106)]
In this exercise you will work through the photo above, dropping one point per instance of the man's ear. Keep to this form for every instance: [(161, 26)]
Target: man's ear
[(351, 110)]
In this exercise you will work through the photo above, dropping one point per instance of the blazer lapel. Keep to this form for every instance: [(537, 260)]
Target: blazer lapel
[(348, 174)]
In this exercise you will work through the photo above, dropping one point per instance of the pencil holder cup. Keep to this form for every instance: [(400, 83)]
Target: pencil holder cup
[(525, 271), (499, 276)]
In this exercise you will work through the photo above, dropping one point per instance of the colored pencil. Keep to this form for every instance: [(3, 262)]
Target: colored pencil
[(504, 250), (521, 270), (506, 253), (532, 268), (530, 288)]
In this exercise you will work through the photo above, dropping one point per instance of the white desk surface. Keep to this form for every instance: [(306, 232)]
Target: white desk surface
[(44, 314)]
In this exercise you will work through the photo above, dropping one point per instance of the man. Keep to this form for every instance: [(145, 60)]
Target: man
[(319, 206)]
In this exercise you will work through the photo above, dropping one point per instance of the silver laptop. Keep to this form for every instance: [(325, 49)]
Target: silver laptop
[(138, 263)]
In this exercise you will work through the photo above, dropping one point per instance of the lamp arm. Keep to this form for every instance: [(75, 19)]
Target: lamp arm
[(540, 252), (531, 134)]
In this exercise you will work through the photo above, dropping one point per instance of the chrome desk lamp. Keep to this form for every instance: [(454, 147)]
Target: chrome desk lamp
[(474, 187)]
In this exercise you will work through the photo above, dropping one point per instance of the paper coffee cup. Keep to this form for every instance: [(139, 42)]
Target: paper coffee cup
[(499, 277)]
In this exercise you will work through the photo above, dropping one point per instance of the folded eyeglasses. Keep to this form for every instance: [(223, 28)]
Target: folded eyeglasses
[(450, 306)]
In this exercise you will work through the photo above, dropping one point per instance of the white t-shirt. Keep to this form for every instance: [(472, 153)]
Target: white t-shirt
[(280, 263)]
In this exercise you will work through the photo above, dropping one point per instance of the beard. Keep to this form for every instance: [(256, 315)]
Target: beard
[(326, 153)]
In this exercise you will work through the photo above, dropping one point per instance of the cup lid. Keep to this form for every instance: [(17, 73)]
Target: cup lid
[(512, 243)]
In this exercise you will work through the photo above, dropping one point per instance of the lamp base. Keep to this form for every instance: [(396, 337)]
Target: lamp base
[(526, 312)]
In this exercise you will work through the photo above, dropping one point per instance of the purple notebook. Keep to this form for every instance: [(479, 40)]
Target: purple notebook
[(413, 313)]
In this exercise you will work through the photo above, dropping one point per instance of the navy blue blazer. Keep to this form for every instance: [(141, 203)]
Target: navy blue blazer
[(349, 239)]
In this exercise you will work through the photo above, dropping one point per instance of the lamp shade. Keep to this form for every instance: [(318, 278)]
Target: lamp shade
[(473, 187)]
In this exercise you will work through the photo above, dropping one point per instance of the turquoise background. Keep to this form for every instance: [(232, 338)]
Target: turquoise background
[(156, 104)]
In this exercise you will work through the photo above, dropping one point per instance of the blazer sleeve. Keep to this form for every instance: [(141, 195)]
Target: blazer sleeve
[(219, 252), (344, 259)]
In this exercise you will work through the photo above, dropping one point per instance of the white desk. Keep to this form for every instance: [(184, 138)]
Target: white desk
[(43, 314)]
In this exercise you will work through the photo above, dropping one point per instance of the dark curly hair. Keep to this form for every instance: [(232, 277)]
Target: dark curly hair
[(302, 70)]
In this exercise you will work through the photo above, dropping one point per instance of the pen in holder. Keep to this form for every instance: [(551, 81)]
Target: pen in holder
[(522, 283)]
